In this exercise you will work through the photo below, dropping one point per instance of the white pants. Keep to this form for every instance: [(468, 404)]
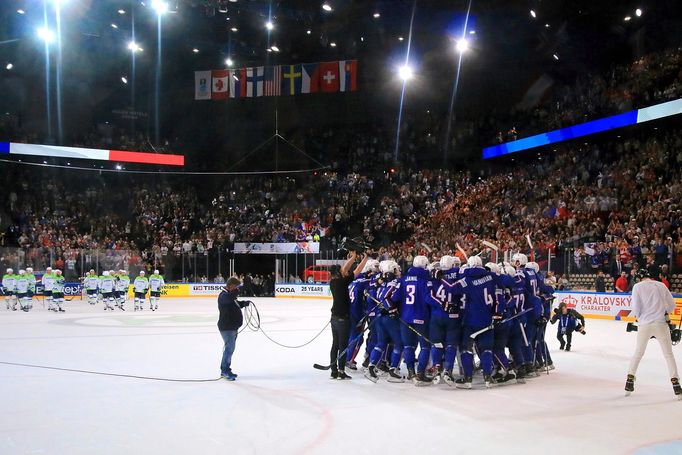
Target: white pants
[(661, 331)]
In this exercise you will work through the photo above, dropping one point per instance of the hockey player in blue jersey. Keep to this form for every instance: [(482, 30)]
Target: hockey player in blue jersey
[(412, 293), (373, 311), (387, 324), (530, 281), (502, 331), (484, 304), (445, 326), (542, 356), (358, 309)]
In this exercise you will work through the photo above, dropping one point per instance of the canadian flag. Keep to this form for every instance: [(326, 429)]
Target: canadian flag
[(329, 76), (219, 84)]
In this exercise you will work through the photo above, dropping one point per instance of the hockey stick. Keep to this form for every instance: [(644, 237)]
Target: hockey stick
[(317, 366), (493, 247), (530, 244), (438, 345), (492, 326)]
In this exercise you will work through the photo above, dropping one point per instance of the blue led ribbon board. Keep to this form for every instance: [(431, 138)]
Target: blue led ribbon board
[(613, 122)]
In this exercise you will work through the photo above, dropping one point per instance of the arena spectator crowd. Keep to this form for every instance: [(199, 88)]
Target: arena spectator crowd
[(612, 205)]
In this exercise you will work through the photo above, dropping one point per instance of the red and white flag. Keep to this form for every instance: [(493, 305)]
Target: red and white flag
[(329, 76), (220, 84)]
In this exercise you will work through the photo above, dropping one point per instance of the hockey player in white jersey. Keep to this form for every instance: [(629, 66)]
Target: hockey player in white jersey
[(155, 284), (48, 283), (9, 289), (140, 285), (107, 288), (22, 290), (122, 284), (91, 283)]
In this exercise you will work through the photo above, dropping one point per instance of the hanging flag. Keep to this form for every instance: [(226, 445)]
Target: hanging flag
[(329, 76), (237, 83), (220, 84), (273, 80), (255, 79), (348, 75), (202, 85), (310, 78), (291, 79)]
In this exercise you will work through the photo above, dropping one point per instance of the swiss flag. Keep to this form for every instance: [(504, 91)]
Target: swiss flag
[(329, 76), (219, 86)]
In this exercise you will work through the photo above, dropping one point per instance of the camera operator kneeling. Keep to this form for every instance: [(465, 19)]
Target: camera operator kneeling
[(568, 323), (651, 304)]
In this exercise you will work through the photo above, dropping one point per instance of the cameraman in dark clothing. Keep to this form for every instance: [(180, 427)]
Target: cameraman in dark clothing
[(229, 322), (568, 323), (341, 278)]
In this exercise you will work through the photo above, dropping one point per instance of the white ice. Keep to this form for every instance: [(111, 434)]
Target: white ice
[(280, 405)]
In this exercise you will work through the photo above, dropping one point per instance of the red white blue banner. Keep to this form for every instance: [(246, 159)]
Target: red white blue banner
[(119, 156), (322, 77)]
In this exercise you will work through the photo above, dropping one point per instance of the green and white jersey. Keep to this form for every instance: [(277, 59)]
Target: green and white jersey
[(22, 284), (156, 282), (58, 287), (48, 281), (9, 282), (91, 282), (31, 282), (141, 284), (123, 283), (106, 283)]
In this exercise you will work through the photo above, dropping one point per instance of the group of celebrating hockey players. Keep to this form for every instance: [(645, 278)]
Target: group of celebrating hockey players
[(111, 288), (450, 310)]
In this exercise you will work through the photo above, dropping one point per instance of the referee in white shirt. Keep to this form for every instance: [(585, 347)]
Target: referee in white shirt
[(651, 304)]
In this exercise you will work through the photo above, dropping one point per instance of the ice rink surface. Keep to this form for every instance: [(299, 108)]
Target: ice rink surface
[(281, 405)]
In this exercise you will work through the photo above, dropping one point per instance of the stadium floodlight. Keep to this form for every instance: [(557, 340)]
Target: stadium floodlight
[(327, 7), (308, 32), (405, 72), (556, 57), (627, 18), (21, 11), (269, 25), (472, 32), (46, 34), (274, 48), (638, 12), (114, 26), (9, 66), (121, 11), (400, 38), (532, 13), (332, 44), (546, 25), (134, 47), (124, 79), (462, 45), (234, 29), (195, 50), (229, 62), (376, 15), (160, 6), (119, 167)]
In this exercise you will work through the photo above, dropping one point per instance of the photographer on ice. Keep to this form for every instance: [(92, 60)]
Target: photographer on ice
[(568, 323), (651, 304)]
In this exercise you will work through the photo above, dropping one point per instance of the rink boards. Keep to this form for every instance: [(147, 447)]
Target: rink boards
[(606, 305)]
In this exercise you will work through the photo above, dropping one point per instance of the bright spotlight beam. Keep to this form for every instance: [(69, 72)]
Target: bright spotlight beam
[(160, 6), (462, 45), (405, 72), (46, 34)]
